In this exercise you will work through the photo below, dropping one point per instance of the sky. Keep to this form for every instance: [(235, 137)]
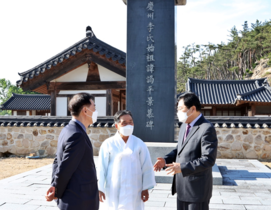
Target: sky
[(32, 31)]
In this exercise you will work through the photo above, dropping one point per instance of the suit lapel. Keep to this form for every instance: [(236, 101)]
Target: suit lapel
[(192, 132)]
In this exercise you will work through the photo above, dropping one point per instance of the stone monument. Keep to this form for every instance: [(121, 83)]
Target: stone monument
[(151, 67)]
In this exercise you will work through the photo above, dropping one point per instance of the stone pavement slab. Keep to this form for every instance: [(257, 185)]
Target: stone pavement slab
[(247, 185)]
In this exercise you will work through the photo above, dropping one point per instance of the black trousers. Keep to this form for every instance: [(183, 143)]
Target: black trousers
[(181, 205)]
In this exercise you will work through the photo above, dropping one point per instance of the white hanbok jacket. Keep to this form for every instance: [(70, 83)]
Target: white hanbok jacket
[(124, 170)]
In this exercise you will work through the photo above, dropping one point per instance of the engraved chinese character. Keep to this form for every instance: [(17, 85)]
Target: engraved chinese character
[(150, 79), (150, 38), (150, 48), (150, 26), (150, 101), (151, 15), (150, 114), (150, 89), (150, 124), (150, 6), (150, 68), (150, 57)]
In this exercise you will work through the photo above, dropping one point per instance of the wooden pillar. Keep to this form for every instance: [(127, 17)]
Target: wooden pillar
[(121, 91), (253, 109), (214, 111), (109, 104), (53, 103)]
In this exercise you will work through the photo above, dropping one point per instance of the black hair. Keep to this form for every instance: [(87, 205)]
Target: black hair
[(121, 113), (78, 101), (190, 99)]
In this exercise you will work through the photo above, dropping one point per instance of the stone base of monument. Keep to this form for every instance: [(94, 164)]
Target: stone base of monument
[(161, 149)]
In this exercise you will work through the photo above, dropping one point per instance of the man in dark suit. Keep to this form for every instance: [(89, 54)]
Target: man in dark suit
[(192, 160), (74, 181)]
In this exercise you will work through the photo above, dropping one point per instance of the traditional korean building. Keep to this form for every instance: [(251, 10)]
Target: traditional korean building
[(89, 65), (232, 97), (28, 104)]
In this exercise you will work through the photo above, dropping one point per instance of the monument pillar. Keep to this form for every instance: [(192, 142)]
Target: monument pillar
[(151, 68)]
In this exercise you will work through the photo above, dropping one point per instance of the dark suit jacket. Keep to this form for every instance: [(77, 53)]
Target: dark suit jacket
[(196, 157), (74, 173)]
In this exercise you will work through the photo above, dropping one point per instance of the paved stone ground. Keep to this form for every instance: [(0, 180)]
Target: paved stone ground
[(247, 185)]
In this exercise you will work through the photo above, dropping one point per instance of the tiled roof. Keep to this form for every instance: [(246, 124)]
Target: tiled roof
[(90, 42), (27, 102), (229, 91), (108, 122)]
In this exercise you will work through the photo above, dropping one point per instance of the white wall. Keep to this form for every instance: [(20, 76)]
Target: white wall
[(61, 106), (107, 75), (101, 106), (77, 75)]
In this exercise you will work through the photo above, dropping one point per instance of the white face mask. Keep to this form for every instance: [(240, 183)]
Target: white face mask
[(126, 130), (94, 116), (182, 116)]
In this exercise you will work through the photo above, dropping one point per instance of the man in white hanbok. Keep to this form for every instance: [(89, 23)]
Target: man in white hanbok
[(125, 171)]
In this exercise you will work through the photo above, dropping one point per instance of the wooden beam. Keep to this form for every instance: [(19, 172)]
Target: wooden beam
[(53, 103), (93, 72), (109, 104), (87, 85), (253, 109)]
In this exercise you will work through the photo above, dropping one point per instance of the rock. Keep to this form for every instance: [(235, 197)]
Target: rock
[(217, 132), (53, 143), (50, 151), (12, 149), (258, 140), (257, 148), (22, 151), (11, 141), (97, 144), (48, 136), (103, 137), (220, 139), (268, 139), (254, 132), (224, 147), (265, 156), (251, 154), (39, 138), (35, 132), (104, 131), (9, 136), (229, 138), (58, 131), (238, 155), (246, 146), (34, 144), (29, 136), (4, 143), (88, 131), (45, 144), (249, 139), (20, 136), (236, 146), (238, 138), (95, 130), (218, 154), (224, 132), (245, 132), (2, 136), (267, 148), (94, 137), (227, 155), (235, 131), (51, 131), (18, 143), (42, 132), (95, 151), (25, 143), (266, 132)]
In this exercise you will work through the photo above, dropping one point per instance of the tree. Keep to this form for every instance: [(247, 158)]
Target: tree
[(6, 90)]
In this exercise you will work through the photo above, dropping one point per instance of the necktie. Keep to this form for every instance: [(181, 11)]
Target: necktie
[(186, 133)]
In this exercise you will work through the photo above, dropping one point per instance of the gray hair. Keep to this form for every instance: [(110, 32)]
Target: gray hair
[(120, 114)]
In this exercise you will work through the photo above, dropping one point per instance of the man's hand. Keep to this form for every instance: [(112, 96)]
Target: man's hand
[(101, 196), (145, 195), (160, 163), (173, 168), (50, 195)]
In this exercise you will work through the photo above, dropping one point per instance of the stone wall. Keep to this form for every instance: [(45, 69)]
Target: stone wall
[(25, 140), (242, 143), (233, 142)]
